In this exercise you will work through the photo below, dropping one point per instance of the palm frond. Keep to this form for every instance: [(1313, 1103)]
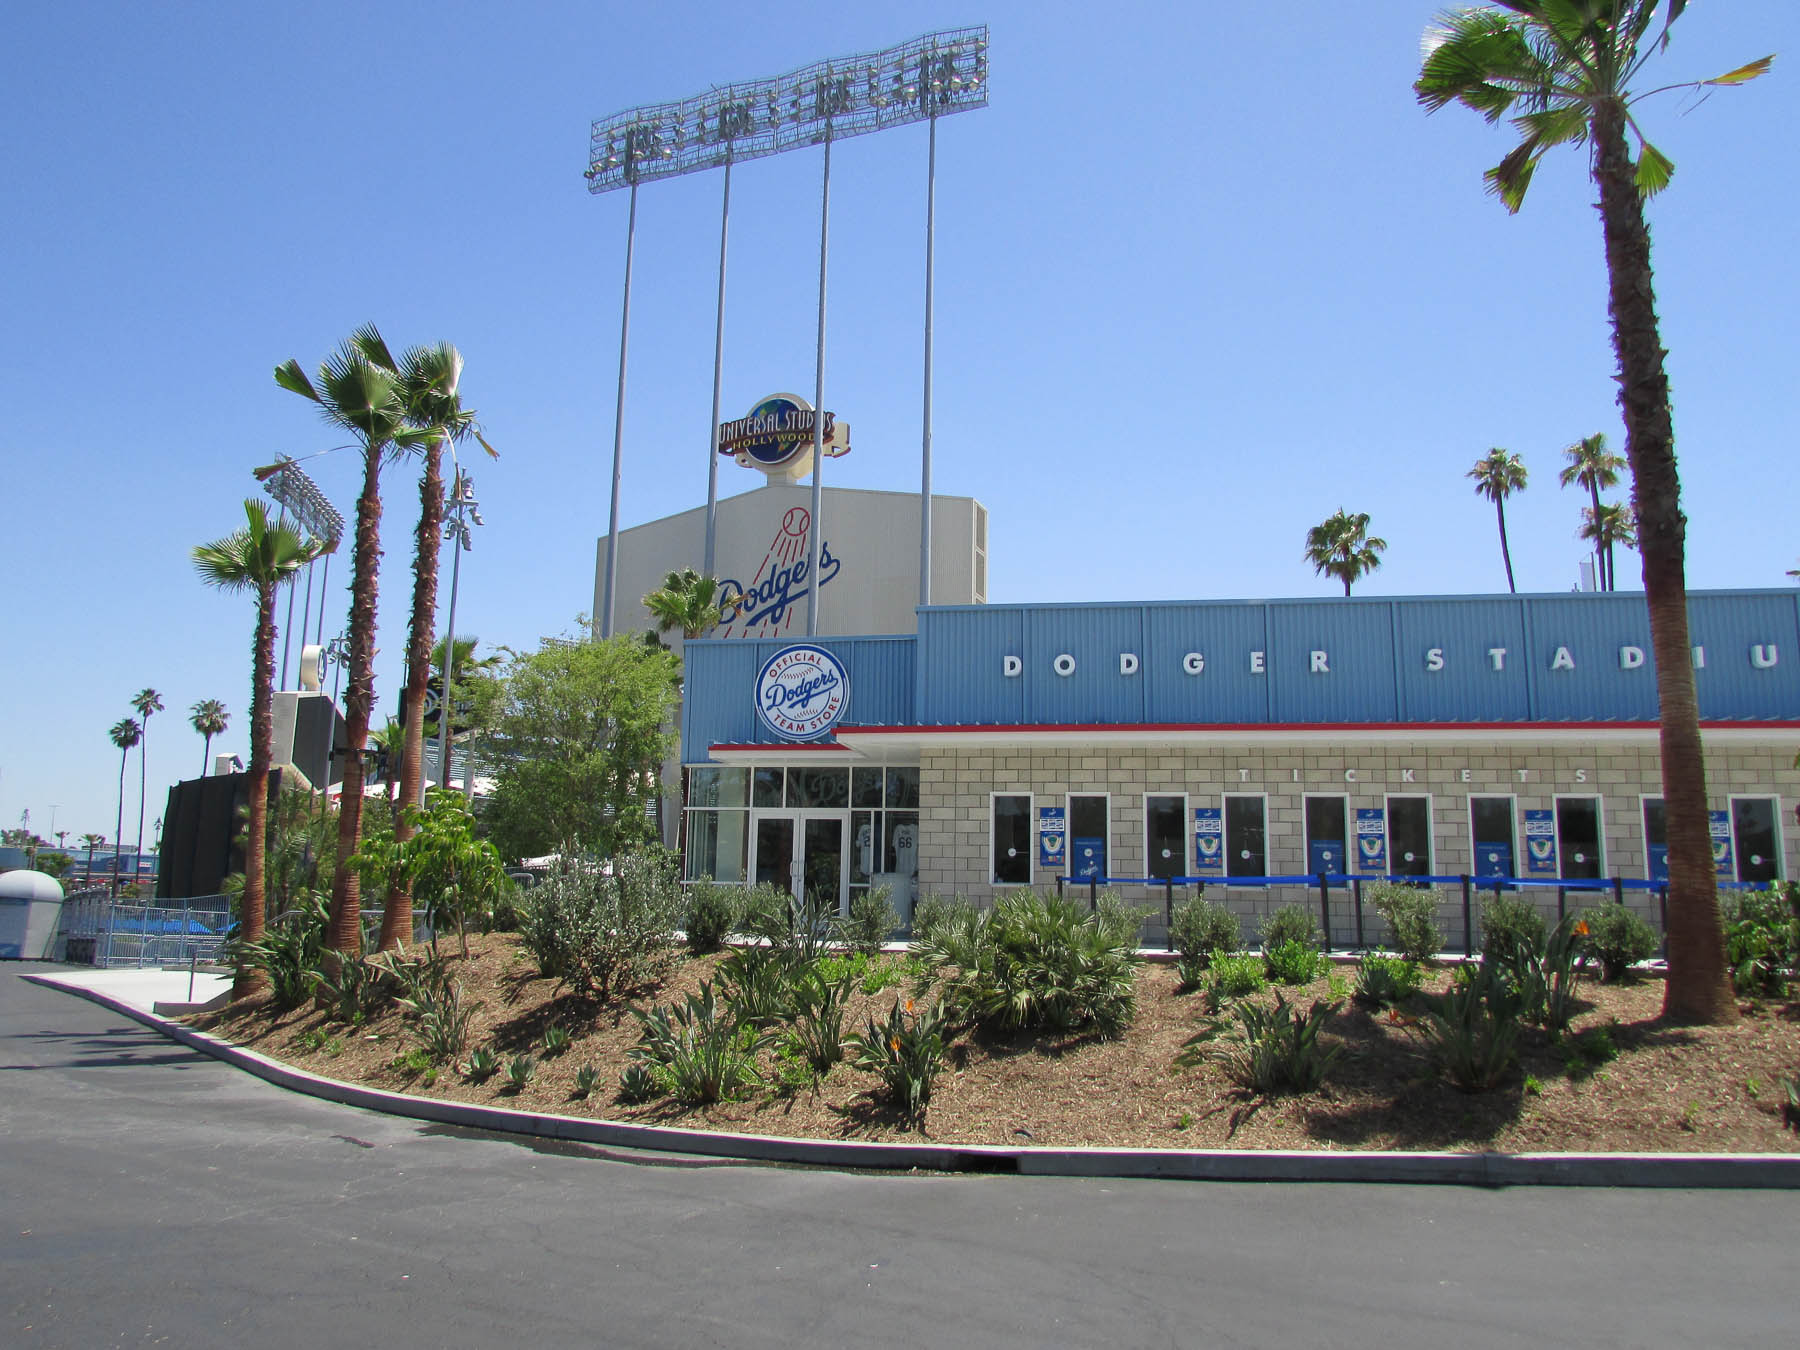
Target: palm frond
[(290, 377)]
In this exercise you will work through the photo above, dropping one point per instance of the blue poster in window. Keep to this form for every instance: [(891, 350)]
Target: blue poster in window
[(1659, 863), (1053, 834), (1540, 844), (1493, 858), (1371, 839), (1325, 856), (1209, 841), (1089, 858), (1721, 842)]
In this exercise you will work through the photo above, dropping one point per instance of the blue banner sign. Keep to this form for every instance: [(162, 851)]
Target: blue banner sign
[(1721, 842), (1325, 855), (1371, 839), (1540, 844), (1090, 858), (1053, 836), (1659, 862), (1209, 841), (1493, 858)]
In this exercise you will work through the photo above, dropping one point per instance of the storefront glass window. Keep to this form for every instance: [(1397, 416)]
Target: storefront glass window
[(1756, 840), (1409, 836), (1491, 828), (865, 827), (717, 785), (1165, 837), (1087, 836), (1578, 837), (1246, 835), (1012, 840), (715, 845), (766, 788), (818, 787), (903, 788), (865, 787)]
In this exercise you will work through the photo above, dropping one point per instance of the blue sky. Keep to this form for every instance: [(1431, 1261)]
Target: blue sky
[(1206, 273)]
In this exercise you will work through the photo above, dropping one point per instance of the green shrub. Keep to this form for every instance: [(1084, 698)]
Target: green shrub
[(1473, 1031), (1197, 929), (713, 911), (355, 993), (758, 984), (763, 909), (1762, 938), (587, 1078), (1545, 980), (321, 1040), (556, 1040), (818, 1005), (870, 922), (905, 1051), (696, 1050), (638, 1084), (1121, 921), (599, 934), (1037, 963), (887, 972), (1271, 1051), (1294, 962), (931, 912), (520, 1070), (1230, 976), (1616, 938), (1513, 933), (289, 950), (1411, 916), (1290, 923), (436, 1009), (1387, 981), (483, 1064)]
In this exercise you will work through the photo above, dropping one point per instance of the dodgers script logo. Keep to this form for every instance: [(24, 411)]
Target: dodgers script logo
[(802, 691), (768, 602)]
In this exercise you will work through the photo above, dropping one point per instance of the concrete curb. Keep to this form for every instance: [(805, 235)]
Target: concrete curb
[(1677, 1170)]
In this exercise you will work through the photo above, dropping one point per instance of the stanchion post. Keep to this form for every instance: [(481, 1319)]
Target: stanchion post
[(1169, 913), (1356, 899), (1618, 890), (1325, 908), (1468, 931)]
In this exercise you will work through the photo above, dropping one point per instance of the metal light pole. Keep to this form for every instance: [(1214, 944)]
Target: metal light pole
[(815, 530), (296, 493), (456, 532), (925, 448), (337, 651), (924, 79)]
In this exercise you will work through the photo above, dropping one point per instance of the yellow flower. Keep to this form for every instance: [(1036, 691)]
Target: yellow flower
[(894, 1045), (1581, 928), (909, 1007)]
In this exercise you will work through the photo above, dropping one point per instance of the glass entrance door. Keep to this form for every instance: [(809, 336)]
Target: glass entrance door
[(803, 853)]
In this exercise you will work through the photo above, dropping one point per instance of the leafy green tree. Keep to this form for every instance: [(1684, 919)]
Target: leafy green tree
[(1498, 474), (1606, 525), (474, 700), (259, 558), (1566, 68), (357, 391), (579, 744), (125, 734), (690, 602), (1341, 546), (209, 718), (1592, 466), (53, 864), (148, 703), (90, 842), (445, 867)]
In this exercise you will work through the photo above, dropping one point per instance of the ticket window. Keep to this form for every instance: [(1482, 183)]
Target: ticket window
[(1246, 837), (1165, 837), (1491, 832), (1756, 838), (1656, 839), (1578, 842), (1087, 836), (1409, 836), (1326, 853)]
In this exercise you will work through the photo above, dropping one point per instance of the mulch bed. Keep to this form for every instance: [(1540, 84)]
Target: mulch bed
[(1670, 1089)]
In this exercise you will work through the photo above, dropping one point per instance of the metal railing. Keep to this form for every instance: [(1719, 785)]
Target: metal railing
[(98, 930)]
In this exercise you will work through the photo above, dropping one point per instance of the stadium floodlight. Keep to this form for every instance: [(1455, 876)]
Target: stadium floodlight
[(929, 77), (298, 496)]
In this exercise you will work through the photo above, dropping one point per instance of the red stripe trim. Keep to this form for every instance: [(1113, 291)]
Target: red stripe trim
[(1115, 727)]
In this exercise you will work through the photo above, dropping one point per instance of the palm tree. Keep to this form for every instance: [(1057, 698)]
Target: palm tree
[(91, 841), (1341, 546), (1497, 476), (357, 391), (690, 602), (389, 743), (259, 558), (1567, 69), (1594, 467), (209, 719), (125, 734), (1610, 524), (148, 703), (428, 377)]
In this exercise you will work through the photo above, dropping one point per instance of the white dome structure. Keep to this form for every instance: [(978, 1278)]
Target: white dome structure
[(30, 908)]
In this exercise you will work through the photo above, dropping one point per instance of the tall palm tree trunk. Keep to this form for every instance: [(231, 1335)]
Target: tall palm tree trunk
[(396, 919), (1697, 987), (1505, 552), (119, 832), (1601, 568), (345, 931), (250, 979), (137, 862)]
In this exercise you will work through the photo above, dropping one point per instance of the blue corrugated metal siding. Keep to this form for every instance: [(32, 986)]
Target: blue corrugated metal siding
[(966, 676), (1355, 644), (1462, 634), (1725, 629), (720, 707), (1095, 638), (1591, 631), (1222, 635)]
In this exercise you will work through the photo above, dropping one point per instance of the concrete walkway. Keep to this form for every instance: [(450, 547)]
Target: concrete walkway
[(153, 997)]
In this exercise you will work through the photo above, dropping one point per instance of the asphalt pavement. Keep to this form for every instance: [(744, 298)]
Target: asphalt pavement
[(151, 1195)]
